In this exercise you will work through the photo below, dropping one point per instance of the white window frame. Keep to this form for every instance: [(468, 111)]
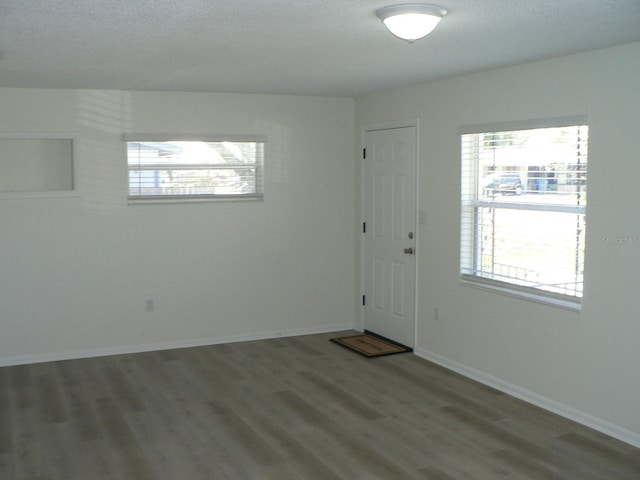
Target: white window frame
[(471, 202), (257, 166)]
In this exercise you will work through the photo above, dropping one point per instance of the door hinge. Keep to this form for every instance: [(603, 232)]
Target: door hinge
[(364, 153), (364, 300), (364, 227)]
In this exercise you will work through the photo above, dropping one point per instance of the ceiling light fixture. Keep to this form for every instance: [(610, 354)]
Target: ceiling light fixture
[(411, 21)]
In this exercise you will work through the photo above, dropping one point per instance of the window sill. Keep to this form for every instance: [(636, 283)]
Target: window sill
[(574, 306), (203, 199)]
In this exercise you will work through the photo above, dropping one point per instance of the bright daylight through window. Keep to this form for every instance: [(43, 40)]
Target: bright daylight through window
[(523, 210), (192, 170)]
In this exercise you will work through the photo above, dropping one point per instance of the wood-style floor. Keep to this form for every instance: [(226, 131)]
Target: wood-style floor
[(297, 408)]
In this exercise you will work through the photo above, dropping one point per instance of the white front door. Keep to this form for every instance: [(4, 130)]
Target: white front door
[(390, 233)]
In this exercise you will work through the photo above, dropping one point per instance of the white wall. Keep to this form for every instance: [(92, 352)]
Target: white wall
[(76, 272), (584, 365)]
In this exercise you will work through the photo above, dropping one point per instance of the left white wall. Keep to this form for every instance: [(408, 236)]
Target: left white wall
[(76, 272)]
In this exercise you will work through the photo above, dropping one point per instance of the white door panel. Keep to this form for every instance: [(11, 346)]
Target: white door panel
[(390, 211)]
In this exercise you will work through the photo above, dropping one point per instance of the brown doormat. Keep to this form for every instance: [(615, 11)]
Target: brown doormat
[(370, 345)]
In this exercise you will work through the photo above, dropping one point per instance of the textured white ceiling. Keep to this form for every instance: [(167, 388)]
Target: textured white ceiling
[(307, 47)]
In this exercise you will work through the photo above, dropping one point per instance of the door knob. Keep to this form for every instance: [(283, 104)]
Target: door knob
[(408, 251)]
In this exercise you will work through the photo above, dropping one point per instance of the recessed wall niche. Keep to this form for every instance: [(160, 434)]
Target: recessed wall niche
[(36, 165)]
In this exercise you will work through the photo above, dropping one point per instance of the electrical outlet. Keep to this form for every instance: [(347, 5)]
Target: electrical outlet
[(149, 305)]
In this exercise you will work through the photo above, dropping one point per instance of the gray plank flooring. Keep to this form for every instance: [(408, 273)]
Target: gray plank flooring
[(288, 408)]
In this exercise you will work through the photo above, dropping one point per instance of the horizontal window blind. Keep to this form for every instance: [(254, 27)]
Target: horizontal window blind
[(192, 169), (524, 201)]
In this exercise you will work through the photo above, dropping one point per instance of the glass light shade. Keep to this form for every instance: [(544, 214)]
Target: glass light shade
[(411, 21)]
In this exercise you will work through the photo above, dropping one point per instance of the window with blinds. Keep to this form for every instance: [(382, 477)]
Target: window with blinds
[(161, 169), (524, 195)]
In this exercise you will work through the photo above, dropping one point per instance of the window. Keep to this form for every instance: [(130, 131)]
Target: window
[(161, 169), (524, 194)]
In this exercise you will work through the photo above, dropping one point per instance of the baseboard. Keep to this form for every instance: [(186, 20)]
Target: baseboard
[(195, 342), (565, 411)]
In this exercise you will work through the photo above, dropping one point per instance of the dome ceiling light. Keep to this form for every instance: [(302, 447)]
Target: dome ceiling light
[(411, 21)]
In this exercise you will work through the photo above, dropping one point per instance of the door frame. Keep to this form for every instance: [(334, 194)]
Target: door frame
[(361, 244)]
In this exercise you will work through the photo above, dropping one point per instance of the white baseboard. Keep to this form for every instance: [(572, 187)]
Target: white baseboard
[(195, 342), (578, 416)]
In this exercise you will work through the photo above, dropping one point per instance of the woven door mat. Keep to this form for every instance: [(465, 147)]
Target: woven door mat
[(371, 345)]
